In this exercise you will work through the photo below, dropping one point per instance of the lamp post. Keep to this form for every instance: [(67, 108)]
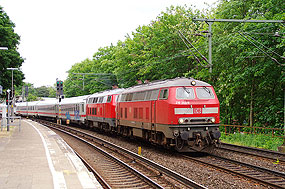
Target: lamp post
[(12, 92), (8, 110)]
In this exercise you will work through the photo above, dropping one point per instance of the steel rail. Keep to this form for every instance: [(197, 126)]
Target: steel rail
[(161, 168), (235, 169), (151, 182), (277, 173), (180, 178), (279, 155), (97, 175)]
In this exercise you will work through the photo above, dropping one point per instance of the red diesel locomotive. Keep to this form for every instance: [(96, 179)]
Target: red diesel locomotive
[(181, 113), (101, 109)]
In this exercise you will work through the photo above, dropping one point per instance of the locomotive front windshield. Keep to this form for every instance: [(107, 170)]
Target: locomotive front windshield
[(188, 93), (205, 93), (185, 93)]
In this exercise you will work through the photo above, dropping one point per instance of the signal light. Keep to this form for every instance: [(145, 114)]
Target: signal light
[(59, 88)]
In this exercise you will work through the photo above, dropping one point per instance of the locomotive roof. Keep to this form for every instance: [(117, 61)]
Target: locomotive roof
[(176, 82), (105, 93)]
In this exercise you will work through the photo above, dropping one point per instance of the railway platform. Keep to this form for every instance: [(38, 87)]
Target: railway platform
[(36, 157)]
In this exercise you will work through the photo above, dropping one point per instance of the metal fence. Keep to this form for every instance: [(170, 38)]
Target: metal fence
[(274, 132), (6, 122)]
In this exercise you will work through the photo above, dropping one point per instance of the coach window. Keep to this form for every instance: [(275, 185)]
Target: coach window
[(163, 94)]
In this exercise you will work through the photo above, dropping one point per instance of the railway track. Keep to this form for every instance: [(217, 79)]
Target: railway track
[(261, 175), (121, 168), (257, 152)]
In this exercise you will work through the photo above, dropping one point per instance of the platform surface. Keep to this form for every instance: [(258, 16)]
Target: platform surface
[(36, 157)]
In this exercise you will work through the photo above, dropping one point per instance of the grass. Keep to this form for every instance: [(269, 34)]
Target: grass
[(258, 141)]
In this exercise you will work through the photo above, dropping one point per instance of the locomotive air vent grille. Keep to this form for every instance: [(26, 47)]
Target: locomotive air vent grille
[(198, 120)]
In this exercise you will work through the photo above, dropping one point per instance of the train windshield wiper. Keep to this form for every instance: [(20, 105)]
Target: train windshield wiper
[(186, 90), (207, 90)]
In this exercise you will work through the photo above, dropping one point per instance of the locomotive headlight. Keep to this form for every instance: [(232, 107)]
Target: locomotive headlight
[(181, 120), (193, 83), (213, 120)]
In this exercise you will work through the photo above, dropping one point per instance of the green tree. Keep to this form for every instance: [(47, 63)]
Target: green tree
[(9, 58), (42, 91), (249, 81), (52, 92)]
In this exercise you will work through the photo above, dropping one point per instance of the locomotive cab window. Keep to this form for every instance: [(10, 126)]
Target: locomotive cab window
[(205, 93), (185, 93), (163, 94)]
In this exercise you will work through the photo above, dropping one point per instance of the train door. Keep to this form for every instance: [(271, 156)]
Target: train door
[(104, 107), (153, 98), (153, 114)]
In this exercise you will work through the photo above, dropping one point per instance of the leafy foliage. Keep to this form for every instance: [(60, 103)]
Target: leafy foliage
[(248, 58), (35, 94), (9, 58), (249, 80)]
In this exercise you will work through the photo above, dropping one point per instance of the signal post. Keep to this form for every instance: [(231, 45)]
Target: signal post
[(59, 96)]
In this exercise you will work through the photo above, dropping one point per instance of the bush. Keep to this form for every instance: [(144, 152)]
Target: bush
[(258, 141)]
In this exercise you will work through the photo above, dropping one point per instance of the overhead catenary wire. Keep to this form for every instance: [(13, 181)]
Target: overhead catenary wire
[(196, 58), (263, 45), (273, 59), (204, 58)]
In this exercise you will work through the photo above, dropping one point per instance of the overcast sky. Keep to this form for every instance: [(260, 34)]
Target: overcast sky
[(55, 34)]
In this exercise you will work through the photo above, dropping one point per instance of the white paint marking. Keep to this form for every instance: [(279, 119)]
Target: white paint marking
[(183, 110), (58, 178), (86, 178), (214, 110)]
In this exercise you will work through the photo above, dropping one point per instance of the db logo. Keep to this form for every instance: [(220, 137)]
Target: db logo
[(197, 110)]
